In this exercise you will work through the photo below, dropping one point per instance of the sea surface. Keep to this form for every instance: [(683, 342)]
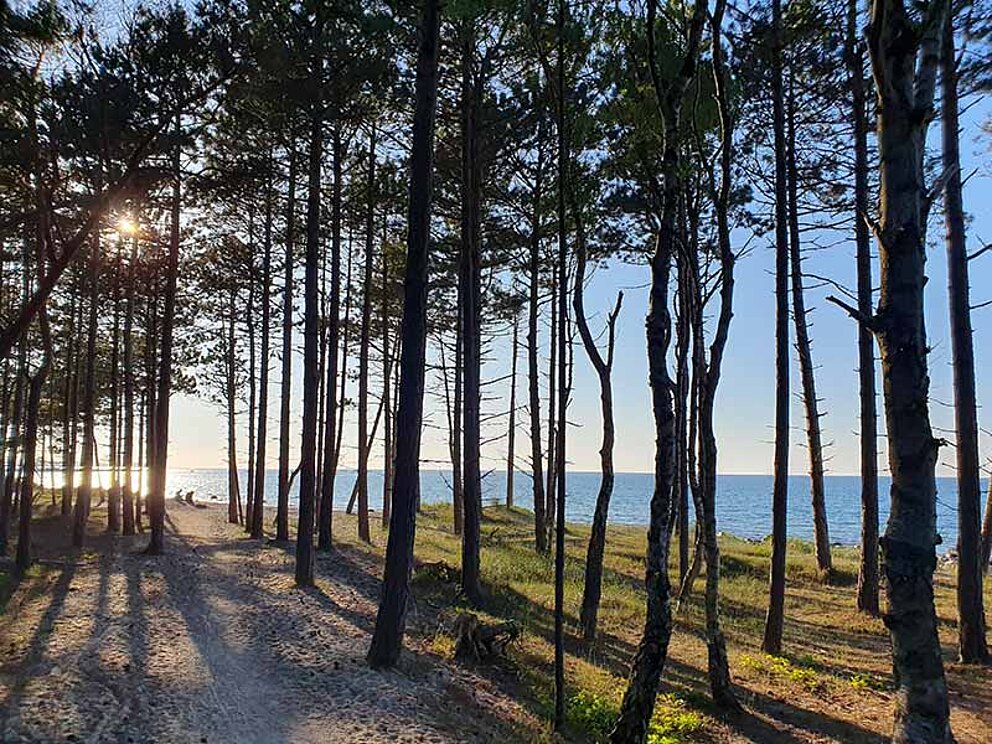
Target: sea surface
[(743, 501)]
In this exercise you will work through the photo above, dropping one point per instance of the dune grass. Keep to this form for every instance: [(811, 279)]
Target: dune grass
[(833, 680)]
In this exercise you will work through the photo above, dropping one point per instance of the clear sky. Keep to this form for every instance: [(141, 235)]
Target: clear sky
[(746, 401)]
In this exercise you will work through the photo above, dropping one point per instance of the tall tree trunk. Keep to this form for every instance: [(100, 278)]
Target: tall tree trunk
[(252, 384), (804, 348), (286, 379), (772, 640), (652, 650), (457, 416), (387, 440), (311, 323), (330, 465), (867, 594), (160, 464), (533, 369), (387, 639), (114, 493), (363, 360), (604, 369), (81, 511), (680, 502), (564, 153), (708, 375), (972, 647), (550, 502), (905, 63), (511, 429), (23, 556), (470, 279), (69, 399), (258, 513), (231, 393), (128, 458)]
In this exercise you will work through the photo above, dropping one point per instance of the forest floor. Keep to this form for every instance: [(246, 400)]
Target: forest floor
[(211, 642)]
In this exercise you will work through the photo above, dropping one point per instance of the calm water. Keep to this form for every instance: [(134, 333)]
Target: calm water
[(743, 501)]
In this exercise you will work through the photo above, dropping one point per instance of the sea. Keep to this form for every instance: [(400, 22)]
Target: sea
[(743, 501)]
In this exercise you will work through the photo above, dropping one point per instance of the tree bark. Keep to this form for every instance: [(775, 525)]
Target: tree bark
[(258, 513), (286, 379), (774, 619), (533, 370), (471, 309), (114, 493), (972, 647), (330, 465), (387, 438), (387, 638), (652, 650), (867, 593), (128, 459), (804, 349), (905, 58), (363, 355), (81, 511), (156, 495), (311, 326), (511, 429)]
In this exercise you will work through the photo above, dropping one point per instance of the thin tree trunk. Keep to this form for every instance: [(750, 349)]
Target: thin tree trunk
[(252, 385), (604, 369), (457, 417), (390, 624), (867, 593), (363, 359), (231, 391), (128, 459), (81, 511), (68, 400), (114, 493), (286, 379), (804, 349), (387, 441), (311, 330), (972, 647), (156, 494), (550, 502), (533, 369), (258, 513), (772, 640), (470, 279), (511, 429), (652, 650), (329, 470)]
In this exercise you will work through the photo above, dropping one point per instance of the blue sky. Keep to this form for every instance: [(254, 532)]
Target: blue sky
[(745, 405)]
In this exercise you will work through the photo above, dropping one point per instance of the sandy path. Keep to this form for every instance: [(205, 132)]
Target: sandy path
[(211, 642)]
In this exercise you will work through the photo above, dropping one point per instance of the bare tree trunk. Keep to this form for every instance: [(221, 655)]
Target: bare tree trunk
[(868, 566), (252, 379), (533, 370), (114, 493), (258, 513), (511, 429), (564, 153), (550, 500), (457, 417), (156, 495), (363, 355), (905, 63), (286, 378), (387, 439), (233, 483), (81, 511), (972, 647), (128, 460), (311, 323), (471, 309), (330, 465), (774, 620), (804, 349), (387, 639), (69, 399), (652, 650)]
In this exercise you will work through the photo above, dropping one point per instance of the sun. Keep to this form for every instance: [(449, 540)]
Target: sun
[(127, 227)]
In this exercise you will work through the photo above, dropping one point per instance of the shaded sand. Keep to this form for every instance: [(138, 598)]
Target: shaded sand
[(211, 642)]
